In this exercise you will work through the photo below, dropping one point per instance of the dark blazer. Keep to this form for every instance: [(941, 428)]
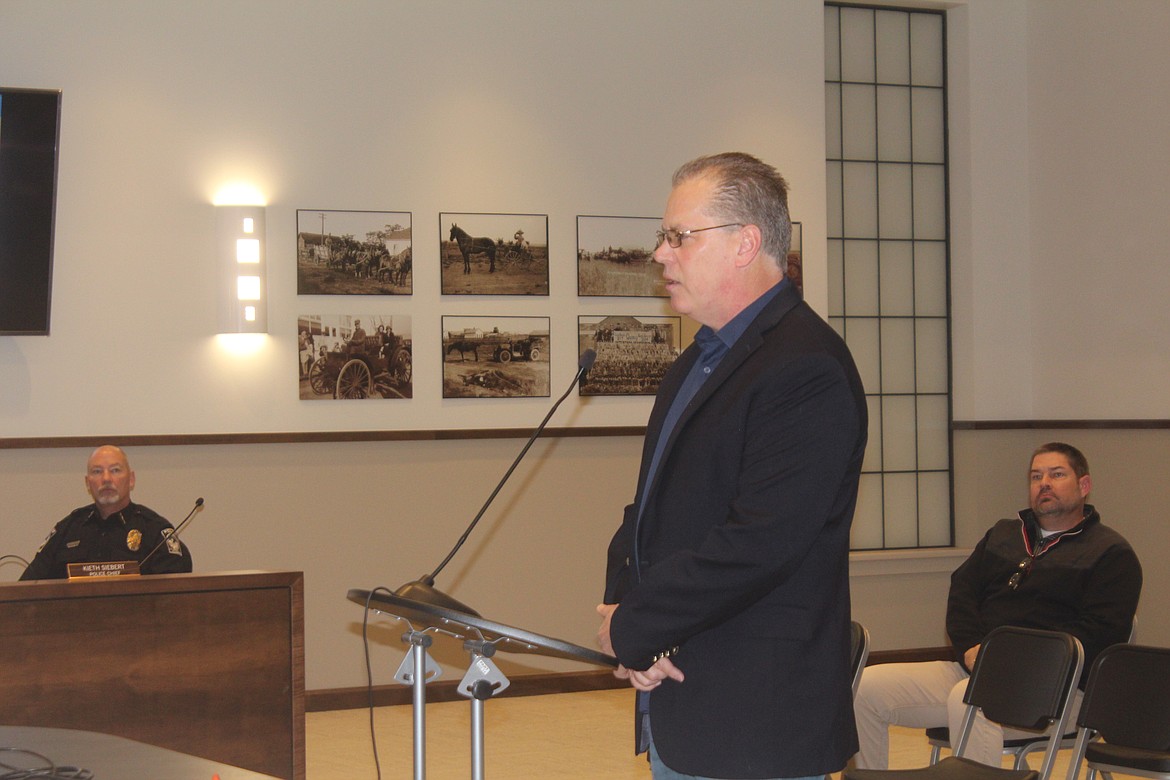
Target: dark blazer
[(744, 546)]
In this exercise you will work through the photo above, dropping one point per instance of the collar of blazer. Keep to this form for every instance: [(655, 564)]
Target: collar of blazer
[(751, 340)]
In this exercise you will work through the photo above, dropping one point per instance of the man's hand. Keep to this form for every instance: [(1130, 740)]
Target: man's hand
[(647, 680), (970, 656), (663, 669), (606, 611)]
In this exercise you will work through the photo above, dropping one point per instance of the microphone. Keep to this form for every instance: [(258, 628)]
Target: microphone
[(423, 589), (172, 533)]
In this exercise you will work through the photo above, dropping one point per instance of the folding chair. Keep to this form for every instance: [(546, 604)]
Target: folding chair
[(1019, 748), (1124, 722), (939, 738), (858, 652), (1023, 679)]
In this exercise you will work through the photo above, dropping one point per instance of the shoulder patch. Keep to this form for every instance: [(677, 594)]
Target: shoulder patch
[(47, 538)]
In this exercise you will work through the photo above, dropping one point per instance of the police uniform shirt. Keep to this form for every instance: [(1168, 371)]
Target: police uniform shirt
[(129, 535)]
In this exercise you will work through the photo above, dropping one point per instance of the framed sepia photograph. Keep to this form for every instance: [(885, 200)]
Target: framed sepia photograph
[(493, 254), (614, 257), (633, 353), (354, 252), (495, 357), (796, 259), (354, 356)]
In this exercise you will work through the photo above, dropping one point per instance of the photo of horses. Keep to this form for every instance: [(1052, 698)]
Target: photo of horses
[(615, 257), (633, 353), (353, 252), (495, 357), (493, 254), (345, 357)]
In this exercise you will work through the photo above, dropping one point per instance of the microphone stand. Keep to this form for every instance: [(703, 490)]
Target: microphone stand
[(423, 589), (174, 532)]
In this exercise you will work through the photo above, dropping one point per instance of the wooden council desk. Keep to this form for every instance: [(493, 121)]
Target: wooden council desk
[(212, 665)]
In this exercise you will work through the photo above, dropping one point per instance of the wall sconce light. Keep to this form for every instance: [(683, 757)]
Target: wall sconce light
[(243, 272)]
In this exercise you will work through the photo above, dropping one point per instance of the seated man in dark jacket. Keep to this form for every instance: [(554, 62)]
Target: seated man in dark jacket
[(112, 528), (1055, 567)]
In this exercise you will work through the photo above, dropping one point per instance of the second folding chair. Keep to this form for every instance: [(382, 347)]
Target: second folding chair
[(1023, 679)]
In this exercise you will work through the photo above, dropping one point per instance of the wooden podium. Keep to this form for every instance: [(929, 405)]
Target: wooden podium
[(211, 665)]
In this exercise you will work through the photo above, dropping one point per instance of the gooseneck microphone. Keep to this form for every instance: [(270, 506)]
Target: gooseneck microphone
[(423, 589), (173, 533)]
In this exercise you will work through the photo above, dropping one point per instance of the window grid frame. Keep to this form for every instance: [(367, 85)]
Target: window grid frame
[(838, 190)]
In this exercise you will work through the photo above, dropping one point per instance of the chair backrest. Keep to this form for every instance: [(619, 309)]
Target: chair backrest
[(1126, 697), (858, 651), (1024, 678)]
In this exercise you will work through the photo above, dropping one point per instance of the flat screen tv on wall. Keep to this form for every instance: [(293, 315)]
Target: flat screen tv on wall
[(29, 130)]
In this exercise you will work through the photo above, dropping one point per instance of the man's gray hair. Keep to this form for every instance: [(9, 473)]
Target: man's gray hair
[(749, 191)]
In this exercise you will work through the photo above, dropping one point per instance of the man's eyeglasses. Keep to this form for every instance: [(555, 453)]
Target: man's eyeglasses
[(1021, 572), (675, 237)]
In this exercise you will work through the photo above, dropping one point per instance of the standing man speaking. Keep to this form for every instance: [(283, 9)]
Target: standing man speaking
[(727, 589)]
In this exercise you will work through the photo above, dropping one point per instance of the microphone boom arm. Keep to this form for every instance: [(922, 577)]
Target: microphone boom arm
[(585, 364), (174, 532)]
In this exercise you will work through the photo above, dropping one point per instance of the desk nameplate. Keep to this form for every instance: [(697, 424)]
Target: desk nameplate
[(82, 571)]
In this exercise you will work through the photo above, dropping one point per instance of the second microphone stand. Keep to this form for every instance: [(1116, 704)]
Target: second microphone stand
[(483, 680)]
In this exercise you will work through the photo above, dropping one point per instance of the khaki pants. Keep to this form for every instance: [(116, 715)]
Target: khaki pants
[(921, 695)]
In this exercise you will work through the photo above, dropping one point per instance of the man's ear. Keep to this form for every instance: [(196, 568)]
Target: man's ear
[(750, 243)]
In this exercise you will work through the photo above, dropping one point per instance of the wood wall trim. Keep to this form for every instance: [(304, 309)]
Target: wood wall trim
[(310, 437), (539, 684), (1075, 425), (315, 436)]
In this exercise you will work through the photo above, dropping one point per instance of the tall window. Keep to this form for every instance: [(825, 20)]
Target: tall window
[(885, 98)]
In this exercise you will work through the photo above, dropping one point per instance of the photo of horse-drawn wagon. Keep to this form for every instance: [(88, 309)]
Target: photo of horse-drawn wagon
[(615, 257), (500, 347), (495, 357), (354, 253), (493, 254), (363, 370), (355, 365)]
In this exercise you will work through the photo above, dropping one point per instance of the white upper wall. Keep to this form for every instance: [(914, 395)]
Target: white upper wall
[(1098, 78), (990, 268), (1058, 189), (1059, 197), (565, 108)]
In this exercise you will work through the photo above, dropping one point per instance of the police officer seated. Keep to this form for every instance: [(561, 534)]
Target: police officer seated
[(112, 528)]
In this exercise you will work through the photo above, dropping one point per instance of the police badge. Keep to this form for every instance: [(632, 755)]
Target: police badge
[(134, 540), (173, 544)]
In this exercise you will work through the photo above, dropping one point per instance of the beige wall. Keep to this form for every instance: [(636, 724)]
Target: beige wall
[(1129, 469), (901, 596), (374, 515), (561, 108), (367, 515), (564, 108)]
